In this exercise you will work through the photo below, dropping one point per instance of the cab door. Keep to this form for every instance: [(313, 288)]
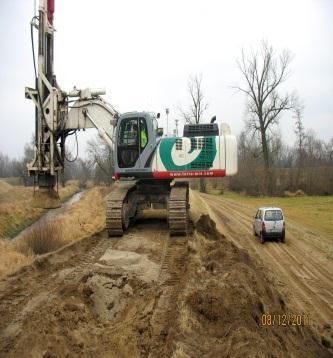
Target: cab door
[(128, 143)]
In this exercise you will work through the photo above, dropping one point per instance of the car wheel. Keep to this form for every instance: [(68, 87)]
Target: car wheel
[(254, 231), (262, 238), (282, 239)]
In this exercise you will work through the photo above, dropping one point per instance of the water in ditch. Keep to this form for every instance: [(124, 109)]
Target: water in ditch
[(51, 214)]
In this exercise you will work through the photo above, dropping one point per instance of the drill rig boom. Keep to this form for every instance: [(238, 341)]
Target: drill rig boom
[(54, 118)]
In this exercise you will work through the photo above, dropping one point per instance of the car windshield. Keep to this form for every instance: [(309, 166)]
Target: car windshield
[(273, 215)]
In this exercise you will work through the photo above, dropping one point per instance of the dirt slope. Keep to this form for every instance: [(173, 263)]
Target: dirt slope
[(302, 272), (147, 295)]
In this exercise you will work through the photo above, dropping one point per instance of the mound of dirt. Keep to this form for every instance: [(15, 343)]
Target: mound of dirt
[(207, 227), (224, 298), (107, 295)]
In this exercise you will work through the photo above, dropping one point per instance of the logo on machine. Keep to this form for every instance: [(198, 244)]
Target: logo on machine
[(188, 154)]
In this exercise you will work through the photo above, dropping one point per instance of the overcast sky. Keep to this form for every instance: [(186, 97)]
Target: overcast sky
[(143, 52)]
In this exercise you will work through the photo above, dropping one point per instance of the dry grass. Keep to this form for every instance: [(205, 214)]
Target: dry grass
[(85, 217), (67, 191), (186, 319), (4, 187), (11, 259), (89, 184), (82, 219), (41, 239), (180, 351), (73, 182), (16, 210), (297, 193)]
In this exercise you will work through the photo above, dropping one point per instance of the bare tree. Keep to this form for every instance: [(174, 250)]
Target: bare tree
[(5, 165), (20, 166), (264, 72), (197, 103), (300, 135), (196, 109), (100, 157)]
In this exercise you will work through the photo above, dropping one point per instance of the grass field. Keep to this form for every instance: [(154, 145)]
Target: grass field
[(312, 212)]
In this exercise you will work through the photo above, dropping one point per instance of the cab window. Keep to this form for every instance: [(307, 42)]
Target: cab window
[(128, 134), (273, 215)]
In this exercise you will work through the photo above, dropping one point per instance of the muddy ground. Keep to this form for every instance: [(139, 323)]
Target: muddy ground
[(151, 295)]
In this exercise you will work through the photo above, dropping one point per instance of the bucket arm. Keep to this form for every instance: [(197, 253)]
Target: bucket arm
[(93, 113)]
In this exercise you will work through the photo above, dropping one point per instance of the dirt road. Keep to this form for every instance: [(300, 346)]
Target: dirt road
[(303, 273), (148, 295)]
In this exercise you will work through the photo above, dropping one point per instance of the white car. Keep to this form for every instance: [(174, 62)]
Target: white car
[(269, 223)]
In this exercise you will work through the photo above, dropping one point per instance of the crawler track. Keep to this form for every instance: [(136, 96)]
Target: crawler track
[(178, 209), (120, 208), (116, 216)]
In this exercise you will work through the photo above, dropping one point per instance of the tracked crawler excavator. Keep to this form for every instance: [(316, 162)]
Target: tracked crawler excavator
[(148, 166)]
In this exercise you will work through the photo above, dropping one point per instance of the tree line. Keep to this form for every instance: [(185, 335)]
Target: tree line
[(97, 166), (308, 167)]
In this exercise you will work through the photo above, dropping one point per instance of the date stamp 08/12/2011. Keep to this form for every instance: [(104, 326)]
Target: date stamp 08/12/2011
[(286, 319)]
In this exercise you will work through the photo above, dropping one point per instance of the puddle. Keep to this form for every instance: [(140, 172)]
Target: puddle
[(52, 213)]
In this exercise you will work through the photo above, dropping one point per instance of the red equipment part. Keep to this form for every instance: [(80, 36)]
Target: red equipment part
[(50, 11)]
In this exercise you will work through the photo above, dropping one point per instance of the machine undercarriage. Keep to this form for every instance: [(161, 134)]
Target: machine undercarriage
[(128, 197)]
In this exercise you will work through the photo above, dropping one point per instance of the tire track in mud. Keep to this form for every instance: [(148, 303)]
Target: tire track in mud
[(308, 283), (89, 259)]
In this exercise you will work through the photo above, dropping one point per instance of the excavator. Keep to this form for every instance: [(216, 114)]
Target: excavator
[(148, 165)]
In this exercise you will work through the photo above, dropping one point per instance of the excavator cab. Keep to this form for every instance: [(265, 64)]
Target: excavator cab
[(136, 140)]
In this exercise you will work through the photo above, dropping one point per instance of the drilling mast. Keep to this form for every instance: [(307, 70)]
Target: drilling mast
[(47, 96), (54, 118)]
